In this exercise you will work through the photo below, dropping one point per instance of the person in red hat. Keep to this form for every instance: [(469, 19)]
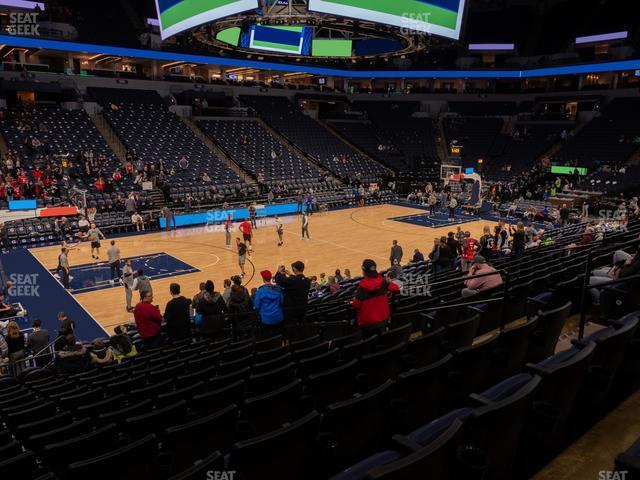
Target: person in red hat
[(372, 298), (268, 302)]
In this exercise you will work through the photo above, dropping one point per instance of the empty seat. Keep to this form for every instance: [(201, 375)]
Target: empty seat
[(418, 395), (197, 439), (357, 427), (261, 457), (138, 457)]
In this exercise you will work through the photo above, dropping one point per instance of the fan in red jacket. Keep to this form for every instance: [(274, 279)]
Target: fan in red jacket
[(149, 321), (372, 297)]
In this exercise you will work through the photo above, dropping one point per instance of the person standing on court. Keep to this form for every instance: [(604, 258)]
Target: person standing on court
[(177, 315), (453, 204), (305, 225), (113, 257), (279, 231), (395, 257), (296, 292), (94, 235), (246, 229), (242, 255), (148, 321), (127, 280), (169, 218), (253, 214), (63, 261), (142, 283), (227, 231)]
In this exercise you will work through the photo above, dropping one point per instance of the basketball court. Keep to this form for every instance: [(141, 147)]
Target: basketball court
[(339, 239)]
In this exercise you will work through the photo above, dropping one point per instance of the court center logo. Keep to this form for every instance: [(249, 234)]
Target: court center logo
[(24, 24), (24, 285)]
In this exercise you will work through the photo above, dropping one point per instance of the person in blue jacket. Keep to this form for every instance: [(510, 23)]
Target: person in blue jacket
[(268, 301)]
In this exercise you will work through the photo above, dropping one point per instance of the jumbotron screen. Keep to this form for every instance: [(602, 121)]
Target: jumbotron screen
[(437, 17), (179, 15)]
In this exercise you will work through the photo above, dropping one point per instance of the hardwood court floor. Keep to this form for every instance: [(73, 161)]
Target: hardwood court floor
[(339, 239)]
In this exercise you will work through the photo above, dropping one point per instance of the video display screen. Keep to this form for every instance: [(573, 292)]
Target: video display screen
[(176, 16), (437, 17)]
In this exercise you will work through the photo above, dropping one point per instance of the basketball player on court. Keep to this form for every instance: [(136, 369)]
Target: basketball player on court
[(245, 228), (279, 231), (227, 231), (94, 235), (242, 255), (305, 225)]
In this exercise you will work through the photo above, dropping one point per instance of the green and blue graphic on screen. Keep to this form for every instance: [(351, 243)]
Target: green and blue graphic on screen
[(437, 17), (292, 39), (282, 39), (179, 15)]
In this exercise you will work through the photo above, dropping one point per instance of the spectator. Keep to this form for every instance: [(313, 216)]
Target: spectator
[(37, 341), (138, 221), (148, 320), (441, 257), (338, 276), (269, 301), (474, 286), (240, 307), (101, 353), (417, 256), (4, 352), (66, 329), (372, 299), (212, 308), (6, 309), (71, 358), (334, 286), (122, 344), (469, 247), (519, 239), (177, 315), (226, 293), (296, 292), (15, 341), (347, 274)]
